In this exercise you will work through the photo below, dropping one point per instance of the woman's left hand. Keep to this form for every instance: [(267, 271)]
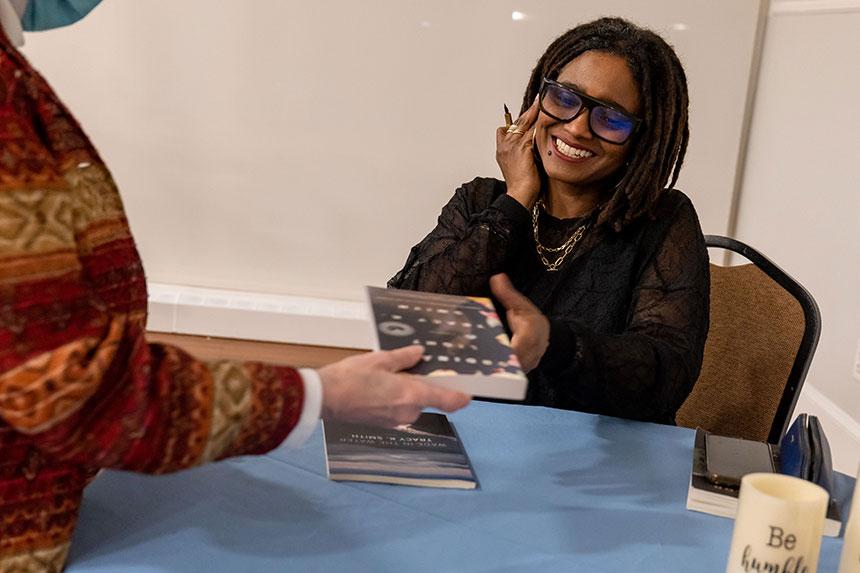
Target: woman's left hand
[(529, 326)]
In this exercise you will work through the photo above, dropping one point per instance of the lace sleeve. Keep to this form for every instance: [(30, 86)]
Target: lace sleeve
[(648, 370), (475, 236)]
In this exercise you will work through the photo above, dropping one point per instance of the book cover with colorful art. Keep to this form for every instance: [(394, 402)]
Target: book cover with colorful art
[(465, 345)]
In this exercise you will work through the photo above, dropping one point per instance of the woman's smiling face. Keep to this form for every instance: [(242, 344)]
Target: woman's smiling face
[(572, 155)]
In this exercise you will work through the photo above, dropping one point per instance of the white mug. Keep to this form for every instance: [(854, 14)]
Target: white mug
[(778, 525), (850, 562)]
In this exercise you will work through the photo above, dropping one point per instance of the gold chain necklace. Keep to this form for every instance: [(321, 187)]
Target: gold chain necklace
[(564, 249)]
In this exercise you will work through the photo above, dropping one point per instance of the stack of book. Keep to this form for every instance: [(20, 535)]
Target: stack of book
[(803, 452)]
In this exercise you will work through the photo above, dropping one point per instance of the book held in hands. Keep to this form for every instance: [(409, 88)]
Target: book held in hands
[(426, 453), (465, 345)]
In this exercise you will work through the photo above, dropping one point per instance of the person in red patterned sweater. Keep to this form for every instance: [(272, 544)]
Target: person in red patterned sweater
[(80, 387)]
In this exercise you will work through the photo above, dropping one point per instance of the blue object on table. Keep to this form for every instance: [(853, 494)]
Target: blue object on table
[(805, 452), (561, 491), (794, 454)]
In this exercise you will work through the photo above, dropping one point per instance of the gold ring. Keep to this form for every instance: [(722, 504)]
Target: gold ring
[(515, 129)]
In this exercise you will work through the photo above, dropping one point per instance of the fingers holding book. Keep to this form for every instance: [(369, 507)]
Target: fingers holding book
[(372, 389), (529, 327)]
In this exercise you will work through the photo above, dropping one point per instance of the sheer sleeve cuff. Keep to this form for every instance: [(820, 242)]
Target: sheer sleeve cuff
[(311, 409), (562, 347)]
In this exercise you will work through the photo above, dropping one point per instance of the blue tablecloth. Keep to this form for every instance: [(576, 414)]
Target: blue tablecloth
[(560, 491)]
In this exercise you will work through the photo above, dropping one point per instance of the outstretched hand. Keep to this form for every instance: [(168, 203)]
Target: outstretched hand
[(529, 327), (371, 389)]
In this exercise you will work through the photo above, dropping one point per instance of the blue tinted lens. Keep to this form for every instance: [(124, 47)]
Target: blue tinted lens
[(611, 125), (561, 103)]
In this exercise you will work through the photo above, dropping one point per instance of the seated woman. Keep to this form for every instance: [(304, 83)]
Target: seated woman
[(588, 227)]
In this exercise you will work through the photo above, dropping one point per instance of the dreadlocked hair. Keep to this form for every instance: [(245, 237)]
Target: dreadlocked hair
[(659, 145)]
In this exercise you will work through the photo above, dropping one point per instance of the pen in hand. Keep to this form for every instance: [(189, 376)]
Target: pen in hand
[(508, 120)]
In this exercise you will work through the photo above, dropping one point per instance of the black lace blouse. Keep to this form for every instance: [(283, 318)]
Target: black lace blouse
[(628, 311)]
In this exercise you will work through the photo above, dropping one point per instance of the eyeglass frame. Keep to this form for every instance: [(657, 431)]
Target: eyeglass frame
[(588, 103)]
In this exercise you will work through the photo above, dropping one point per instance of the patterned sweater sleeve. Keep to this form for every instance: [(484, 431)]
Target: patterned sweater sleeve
[(475, 236), (77, 377), (112, 400)]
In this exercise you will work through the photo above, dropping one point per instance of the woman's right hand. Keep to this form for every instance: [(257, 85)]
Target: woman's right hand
[(514, 156), (529, 327)]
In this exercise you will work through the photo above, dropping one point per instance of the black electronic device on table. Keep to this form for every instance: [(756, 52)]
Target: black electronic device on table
[(729, 459)]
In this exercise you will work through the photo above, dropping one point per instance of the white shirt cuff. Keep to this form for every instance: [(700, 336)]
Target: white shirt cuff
[(310, 409)]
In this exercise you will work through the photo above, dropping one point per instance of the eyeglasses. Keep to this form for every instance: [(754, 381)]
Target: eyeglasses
[(606, 122)]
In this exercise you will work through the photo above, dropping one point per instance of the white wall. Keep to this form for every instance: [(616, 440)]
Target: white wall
[(800, 198), (303, 147)]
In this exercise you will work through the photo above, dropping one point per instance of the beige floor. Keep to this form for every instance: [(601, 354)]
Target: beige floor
[(208, 348)]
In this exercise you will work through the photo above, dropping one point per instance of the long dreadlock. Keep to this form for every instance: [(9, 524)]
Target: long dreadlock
[(659, 147)]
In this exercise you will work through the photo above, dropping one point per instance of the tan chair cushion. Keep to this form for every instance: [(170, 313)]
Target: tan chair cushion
[(755, 331)]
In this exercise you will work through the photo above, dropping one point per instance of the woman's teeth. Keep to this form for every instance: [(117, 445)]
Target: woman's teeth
[(572, 151)]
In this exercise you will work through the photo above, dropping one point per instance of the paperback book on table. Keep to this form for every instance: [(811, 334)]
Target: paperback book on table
[(426, 453), (466, 347), (794, 455)]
